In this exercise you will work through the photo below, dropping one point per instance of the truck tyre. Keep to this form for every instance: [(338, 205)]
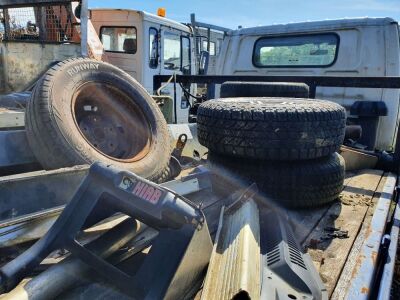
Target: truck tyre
[(83, 111), (298, 184), (264, 89), (271, 128)]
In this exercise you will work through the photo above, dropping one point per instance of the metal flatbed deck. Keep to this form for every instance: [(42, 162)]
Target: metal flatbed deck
[(339, 261)]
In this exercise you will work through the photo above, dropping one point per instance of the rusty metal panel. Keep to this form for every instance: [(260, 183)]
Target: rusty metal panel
[(367, 261), (235, 264)]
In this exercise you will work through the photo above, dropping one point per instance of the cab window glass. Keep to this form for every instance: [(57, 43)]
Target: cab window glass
[(2, 29), (172, 51), (185, 55), (153, 36), (218, 46), (290, 51), (212, 47), (119, 39)]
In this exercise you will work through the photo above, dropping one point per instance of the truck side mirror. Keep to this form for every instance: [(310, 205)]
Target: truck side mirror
[(203, 63)]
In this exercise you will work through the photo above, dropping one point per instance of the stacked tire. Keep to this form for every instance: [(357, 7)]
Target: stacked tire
[(287, 146)]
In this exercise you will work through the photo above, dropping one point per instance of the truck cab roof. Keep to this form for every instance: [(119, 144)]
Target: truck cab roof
[(146, 17)]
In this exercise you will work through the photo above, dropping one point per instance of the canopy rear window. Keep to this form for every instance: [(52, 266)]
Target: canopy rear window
[(317, 50)]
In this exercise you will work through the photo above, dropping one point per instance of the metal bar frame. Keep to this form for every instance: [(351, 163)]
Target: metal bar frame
[(4, 4), (388, 82), (195, 34), (84, 28), (24, 3), (8, 4), (206, 25)]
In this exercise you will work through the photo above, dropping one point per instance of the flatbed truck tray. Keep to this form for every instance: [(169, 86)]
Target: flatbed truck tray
[(346, 265)]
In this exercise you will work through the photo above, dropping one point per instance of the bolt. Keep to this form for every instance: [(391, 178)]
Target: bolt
[(127, 182)]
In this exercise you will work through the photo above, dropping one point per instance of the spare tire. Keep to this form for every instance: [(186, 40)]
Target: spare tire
[(297, 184), (83, 111), (264, 89), (271, 128)]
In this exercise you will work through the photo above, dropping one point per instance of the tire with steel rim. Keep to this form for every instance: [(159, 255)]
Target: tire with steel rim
[(83, 110)]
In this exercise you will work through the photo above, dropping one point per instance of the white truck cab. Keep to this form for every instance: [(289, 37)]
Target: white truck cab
[(347, 47), (144, 45)]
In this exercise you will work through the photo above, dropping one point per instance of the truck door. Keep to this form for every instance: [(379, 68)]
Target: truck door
[(176, 59), (152, 48)]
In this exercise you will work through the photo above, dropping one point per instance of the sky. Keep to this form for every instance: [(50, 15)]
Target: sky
[(249, 13)]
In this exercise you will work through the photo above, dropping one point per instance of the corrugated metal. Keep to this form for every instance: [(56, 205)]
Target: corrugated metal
[(235, 262)]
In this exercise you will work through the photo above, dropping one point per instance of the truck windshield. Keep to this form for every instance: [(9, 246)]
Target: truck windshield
[(172, 51)]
